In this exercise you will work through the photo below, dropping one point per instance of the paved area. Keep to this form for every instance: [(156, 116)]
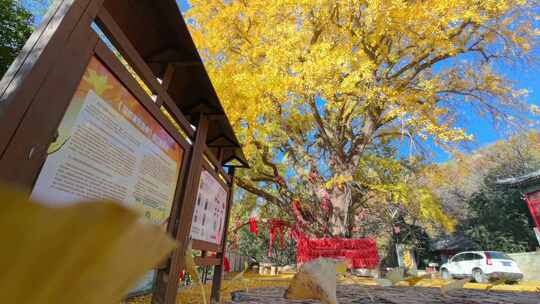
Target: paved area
[(358, 294)]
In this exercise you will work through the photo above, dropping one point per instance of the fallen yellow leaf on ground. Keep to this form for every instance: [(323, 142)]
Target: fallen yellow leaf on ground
[(415, 280), (395, 275), (498, 282), (459, 284)]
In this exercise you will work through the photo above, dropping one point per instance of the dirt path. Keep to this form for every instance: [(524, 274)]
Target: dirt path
[(357, 294)]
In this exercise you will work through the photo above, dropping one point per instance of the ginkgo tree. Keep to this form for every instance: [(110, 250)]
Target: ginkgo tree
[(324, 95)]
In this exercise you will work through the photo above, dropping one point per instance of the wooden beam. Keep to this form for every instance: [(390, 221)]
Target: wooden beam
[(123, 75), (33, 102), (216, 163), (122, 43), (207, 261), (222, 141), (166, 82), (206, 246), (164, 55), (42, 53), (203, 106), (167, 280), (216, 116), (172, 56)]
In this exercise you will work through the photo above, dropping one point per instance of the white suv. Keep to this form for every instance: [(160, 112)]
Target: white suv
[(481, 266)]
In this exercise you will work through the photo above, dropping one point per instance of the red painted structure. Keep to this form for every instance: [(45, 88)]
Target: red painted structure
[(533, 202), (529, 185), (358, 253)]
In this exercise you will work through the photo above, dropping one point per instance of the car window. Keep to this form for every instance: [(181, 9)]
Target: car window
[(476, 257), (497, 255), (458, 258), (468, 256)]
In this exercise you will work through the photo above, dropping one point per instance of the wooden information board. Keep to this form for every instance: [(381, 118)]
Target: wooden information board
[(110, 99)]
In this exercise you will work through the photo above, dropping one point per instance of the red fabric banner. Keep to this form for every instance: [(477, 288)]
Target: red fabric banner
[(358, 253)]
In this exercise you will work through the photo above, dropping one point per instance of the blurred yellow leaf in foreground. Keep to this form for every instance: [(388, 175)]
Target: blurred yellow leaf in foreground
[(85, 253)]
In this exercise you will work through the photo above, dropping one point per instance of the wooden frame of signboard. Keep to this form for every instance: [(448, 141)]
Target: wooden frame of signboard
[(38, 88)]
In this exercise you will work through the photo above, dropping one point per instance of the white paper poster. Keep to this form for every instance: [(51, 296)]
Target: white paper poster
[(210, 208), (110, 147)]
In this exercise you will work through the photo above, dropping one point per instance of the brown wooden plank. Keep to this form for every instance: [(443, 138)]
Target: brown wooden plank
[(122, 43), (24, 156), (221, 141), (207, 261), (173, 223), (172, 226), (167, 283), (206, 246), (27, 73), (218, 270), (216, 163), (166, 81), (29, 46)]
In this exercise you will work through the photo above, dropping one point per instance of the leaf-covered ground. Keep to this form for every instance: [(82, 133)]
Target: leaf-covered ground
[(252, 281), (358, 294)]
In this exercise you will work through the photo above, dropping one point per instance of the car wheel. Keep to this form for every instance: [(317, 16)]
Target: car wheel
[(445, 275), (478, 276)]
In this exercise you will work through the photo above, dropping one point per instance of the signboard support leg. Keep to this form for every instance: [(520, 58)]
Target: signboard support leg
[(218, 269), (167, 280)]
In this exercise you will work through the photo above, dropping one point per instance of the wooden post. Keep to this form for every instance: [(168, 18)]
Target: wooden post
[(218, 270), (167, 279)]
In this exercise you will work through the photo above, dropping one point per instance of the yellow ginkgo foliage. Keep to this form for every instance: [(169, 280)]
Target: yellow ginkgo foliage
[(88, 253), (321, 91)]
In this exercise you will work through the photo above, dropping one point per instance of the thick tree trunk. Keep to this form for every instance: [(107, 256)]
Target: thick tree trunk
[(341, 202)]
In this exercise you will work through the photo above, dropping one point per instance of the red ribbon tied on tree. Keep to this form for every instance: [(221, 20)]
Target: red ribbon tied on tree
[(275, 226), (253, 226), (297, 209)]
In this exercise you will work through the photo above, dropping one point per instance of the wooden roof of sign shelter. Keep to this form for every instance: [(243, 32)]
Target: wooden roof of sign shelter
[(157, 44), (158, 33)]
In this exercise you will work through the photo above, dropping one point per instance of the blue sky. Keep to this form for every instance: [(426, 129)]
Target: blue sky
[(524, 77)]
